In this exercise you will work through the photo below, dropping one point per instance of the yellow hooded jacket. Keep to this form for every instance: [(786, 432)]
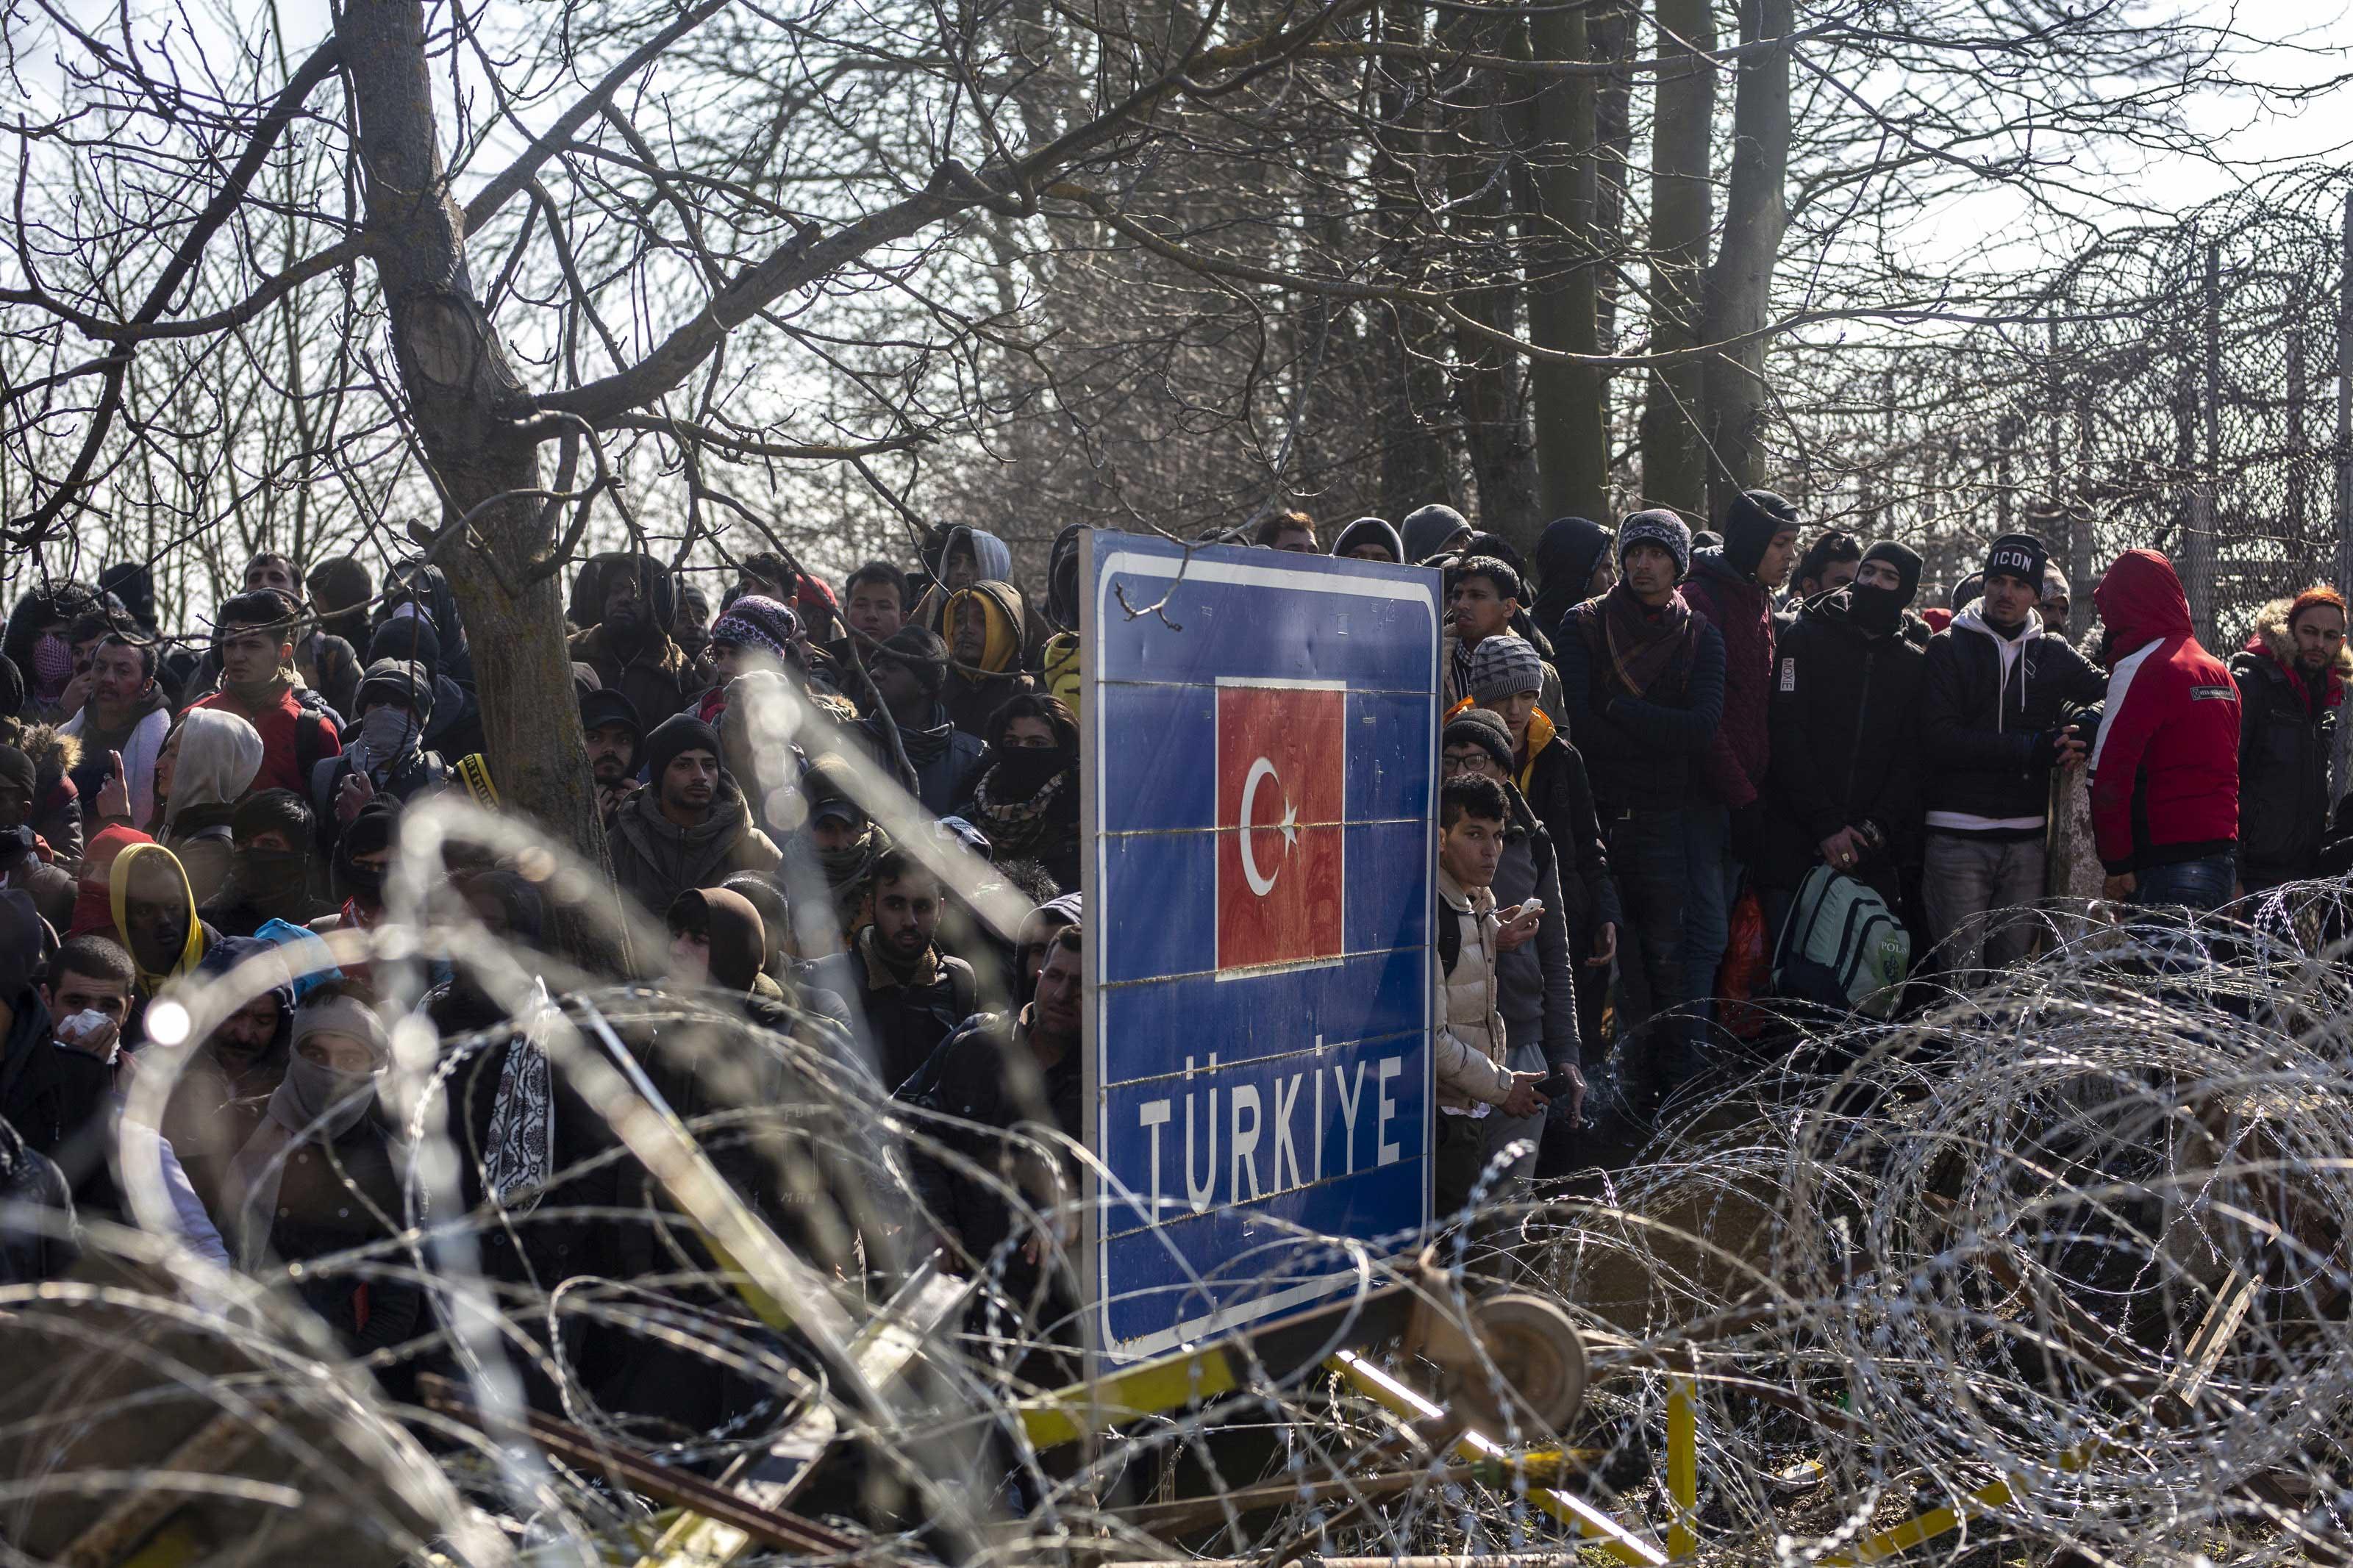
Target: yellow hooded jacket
[(192, 950)]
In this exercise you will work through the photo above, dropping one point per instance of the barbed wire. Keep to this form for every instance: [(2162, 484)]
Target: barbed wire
[(2066, 1253)]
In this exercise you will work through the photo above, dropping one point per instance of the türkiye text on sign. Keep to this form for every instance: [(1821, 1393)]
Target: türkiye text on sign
[(1261, 749)]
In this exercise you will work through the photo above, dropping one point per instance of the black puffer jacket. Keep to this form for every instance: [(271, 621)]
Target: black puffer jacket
[(985, 1075), (55, 1100), (1560, 795), (1987, 737), (1646, 754), (1845, 717), (2287, 733), (904, 1021), (31, 1254)]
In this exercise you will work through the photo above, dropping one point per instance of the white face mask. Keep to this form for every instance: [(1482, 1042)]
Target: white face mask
[(386, 732), (317, 1099)]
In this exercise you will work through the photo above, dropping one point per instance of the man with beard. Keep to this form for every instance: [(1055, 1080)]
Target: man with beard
[(120, 727), (270, 834), (1037, 934), (1027, 798), (905, 993), (908, 672), (626, 603), (257, 684), (221, 1095), (1644, 679), (690, 826), (2291, 678), (610, 724), (989, 1075)]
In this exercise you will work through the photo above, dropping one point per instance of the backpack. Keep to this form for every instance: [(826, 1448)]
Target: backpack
[(1841, 948), (1449, 935)]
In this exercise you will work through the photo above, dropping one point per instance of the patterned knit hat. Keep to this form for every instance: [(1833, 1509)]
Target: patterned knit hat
[(1504, 667), (753, 621), (1659, 526)]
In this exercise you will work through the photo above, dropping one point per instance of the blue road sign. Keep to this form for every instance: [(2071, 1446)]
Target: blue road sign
[(1262, 749)]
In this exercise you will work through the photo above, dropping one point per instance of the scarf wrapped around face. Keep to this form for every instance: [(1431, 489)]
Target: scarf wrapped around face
[(314, 1103), (1018, 798)]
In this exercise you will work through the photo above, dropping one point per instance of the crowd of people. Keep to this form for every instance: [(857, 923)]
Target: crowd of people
[(1644, 731)]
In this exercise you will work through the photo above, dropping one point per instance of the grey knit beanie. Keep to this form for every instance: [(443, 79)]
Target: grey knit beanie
[(1504, 667), (1658, 526)]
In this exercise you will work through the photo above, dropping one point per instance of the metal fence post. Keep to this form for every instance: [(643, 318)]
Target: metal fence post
[(2344, 455), (2198, 562)]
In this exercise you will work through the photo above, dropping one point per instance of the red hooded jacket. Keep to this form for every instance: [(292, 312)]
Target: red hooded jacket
[(2165, 769)]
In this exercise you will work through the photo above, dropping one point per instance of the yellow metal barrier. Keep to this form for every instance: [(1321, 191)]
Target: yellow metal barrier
[(1683, 1470), (1581, 1517)]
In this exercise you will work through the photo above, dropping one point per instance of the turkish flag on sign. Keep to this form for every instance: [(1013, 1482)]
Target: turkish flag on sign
[(1282, 788)]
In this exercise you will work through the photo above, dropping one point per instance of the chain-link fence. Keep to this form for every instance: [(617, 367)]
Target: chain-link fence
[(2176, 387)]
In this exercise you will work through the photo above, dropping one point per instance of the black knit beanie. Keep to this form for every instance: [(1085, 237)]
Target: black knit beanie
[(1749, 525)]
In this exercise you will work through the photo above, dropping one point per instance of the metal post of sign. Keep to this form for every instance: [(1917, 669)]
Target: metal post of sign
[(1683, 1470)]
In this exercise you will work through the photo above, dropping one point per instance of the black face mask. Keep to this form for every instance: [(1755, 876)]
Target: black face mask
[(273, 876), (365, 883), (1025, 770), (1875, 609)]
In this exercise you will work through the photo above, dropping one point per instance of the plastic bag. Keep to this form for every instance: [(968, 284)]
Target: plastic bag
[(1744, 977)]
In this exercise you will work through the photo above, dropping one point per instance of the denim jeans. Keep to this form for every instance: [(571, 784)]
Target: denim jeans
[(1981, 894), (2171, 894), (2189, 884), (1713, 881), (1646, 856)]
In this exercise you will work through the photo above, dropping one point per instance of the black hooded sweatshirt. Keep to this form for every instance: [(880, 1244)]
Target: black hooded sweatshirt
[(1844, 715), (1566, 554)]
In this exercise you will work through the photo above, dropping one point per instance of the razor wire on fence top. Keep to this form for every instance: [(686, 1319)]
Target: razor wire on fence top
[(2176, 387), (2059, 1263)]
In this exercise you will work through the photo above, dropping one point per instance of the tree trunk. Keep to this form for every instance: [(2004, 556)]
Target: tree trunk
[(1483, 145), (1414, 466), (1564, 264), (1609, 34), (1675, 461), (468, 408), (1740, 286)]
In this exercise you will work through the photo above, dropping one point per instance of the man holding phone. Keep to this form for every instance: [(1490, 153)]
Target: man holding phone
[(1467, 1035)]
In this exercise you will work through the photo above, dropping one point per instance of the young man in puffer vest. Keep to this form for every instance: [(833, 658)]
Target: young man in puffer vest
[(1466, 1030)]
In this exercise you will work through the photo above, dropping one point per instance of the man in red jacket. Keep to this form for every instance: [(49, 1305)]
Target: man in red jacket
[(257, 684), (1731, 588), (2165, 769)]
